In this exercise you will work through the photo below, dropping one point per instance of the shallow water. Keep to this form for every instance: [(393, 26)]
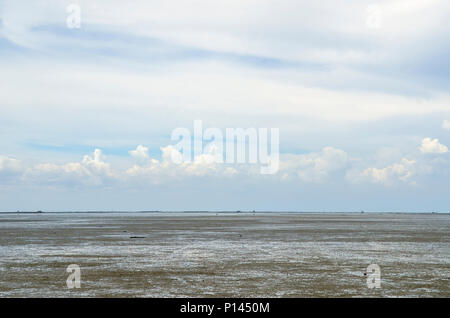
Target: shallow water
[(224, 254)]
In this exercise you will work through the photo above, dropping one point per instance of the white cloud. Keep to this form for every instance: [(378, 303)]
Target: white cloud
[(313, 167), (96, 163), (218, 85), (402, 171), (170, 155), (203, 165), (411, 170), (446, 124), (330, 164), (140, 154), (432, 146), (92, 170)]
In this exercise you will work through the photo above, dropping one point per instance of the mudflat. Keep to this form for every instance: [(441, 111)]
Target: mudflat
[(224, 254)]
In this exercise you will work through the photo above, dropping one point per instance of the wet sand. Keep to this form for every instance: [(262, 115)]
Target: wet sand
[(224, 254)]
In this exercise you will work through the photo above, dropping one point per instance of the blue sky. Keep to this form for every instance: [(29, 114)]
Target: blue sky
[(358, 89)]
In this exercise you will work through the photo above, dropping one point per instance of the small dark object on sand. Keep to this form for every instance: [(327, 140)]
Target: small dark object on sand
[(135, 237)]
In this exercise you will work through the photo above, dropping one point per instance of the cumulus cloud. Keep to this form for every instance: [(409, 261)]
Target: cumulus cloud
[(313, 167), (172, 165), (92, 170), (432, 146), (140, 154), (329, 164), (402, 171)]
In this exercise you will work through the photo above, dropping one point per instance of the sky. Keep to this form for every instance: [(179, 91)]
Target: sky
[(359, 91)]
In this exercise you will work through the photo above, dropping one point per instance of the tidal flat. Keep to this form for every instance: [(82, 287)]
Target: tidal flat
[(131, 254)]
